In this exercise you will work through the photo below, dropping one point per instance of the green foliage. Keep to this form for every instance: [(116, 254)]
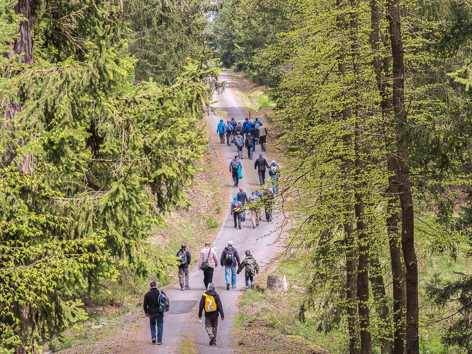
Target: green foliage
[(211, 222), (91, 164)]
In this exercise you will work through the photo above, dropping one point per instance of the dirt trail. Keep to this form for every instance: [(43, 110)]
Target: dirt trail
[(181, 322)]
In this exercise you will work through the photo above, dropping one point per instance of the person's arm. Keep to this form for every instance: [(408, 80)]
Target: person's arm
[(200, 260), (230, 169), (267, 165), (189, 258), (219, 306), (237, 257), (241, 266), (255, 164), (201, 306), (215, 258), (145, 304), (240, 165)]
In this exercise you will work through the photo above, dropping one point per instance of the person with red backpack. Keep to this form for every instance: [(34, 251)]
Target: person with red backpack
[(211, 303), (230, 258)]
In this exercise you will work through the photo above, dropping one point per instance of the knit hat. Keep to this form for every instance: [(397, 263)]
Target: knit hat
[(260, 154), (235, 198), (248, 253)]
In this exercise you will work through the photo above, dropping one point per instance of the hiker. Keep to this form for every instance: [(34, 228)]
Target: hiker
[(246, 122), (253, 132), (268, 200), (236, 211), (211, 302), (256, 123), (262, 134), (249, 145), (252, 268), (155, 304), (274, 173), (207, 262), (261, 164), (254, 206), (233, 124), (239, 142), (247, 126), (234, 166), (240, 128), (230, 258), (221, 130), (229, 133), (242, 198), (184, 262)]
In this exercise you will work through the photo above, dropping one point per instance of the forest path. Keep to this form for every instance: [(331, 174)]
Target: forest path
[(181, 322)]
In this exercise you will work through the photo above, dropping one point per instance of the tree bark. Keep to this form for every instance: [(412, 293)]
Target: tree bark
[(406, 200)]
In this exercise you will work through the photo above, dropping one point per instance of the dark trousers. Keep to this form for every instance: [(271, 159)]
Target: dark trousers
[(262, 141), (211, 326), (235, 178), (183, 277), (261, 177), (229, 138), (237, 219), (222, 138), (207, 276)]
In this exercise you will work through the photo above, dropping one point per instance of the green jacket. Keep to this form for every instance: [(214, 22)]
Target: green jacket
[(251, 266)]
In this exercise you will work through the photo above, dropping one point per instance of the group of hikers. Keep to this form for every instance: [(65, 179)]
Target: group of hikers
[(156, 302), (245, 134)]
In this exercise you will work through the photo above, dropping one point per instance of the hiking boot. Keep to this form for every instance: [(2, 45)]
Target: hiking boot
[(187, 288), (214, 342), (227, 286), (233, 287), (153, 340), (182, 289), (159, 343), (212, 339), (247, 287), (253, 227), (239, 226)]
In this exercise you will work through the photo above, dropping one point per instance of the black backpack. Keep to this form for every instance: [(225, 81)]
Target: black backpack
[(239, 128), (163, 301), (229, 258), (183, 257)]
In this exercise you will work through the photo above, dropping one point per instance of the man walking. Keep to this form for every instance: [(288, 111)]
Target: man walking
[(252, 268), (236, 211), (249, 145), (242, 198), (221, 131), (254, 205), (184, 262), (274, 173), (247, 126), (207, 262), (268, 200), (260, 165), (240, 129), (239, 142), (230, 258), (262, 133), (234, 165), (151, 310), (233, 124), (253, 132), (211, 303), (229, 133)]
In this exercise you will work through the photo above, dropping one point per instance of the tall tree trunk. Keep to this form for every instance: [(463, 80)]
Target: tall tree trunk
[(408, 236), (398, 271), (21, 45), (349, 238)]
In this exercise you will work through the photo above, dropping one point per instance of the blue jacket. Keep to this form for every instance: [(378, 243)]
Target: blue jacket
[(228, 128), (235, 258), (221, 128), (270, 170), (233, 123), (247, 127)]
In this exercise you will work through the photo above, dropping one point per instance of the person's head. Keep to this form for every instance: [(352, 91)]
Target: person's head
[(183, 245), (253, 125), (238, 133), (261, 124), (230, 243), (273, 161), (221, 120), (248, 134), (232, 118), (153, 284), (236, 157), (260, 154), (227, 121), (207, 244), (248, 253), (247, 119), (253, 192), (211, 286), (241, 189), (239, 123)]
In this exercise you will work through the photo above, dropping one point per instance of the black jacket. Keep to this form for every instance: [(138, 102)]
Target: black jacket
[(219, 307), (151, 301), (254, 132), (235, 258), (261, 163), (242, 197), (189, 258)]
